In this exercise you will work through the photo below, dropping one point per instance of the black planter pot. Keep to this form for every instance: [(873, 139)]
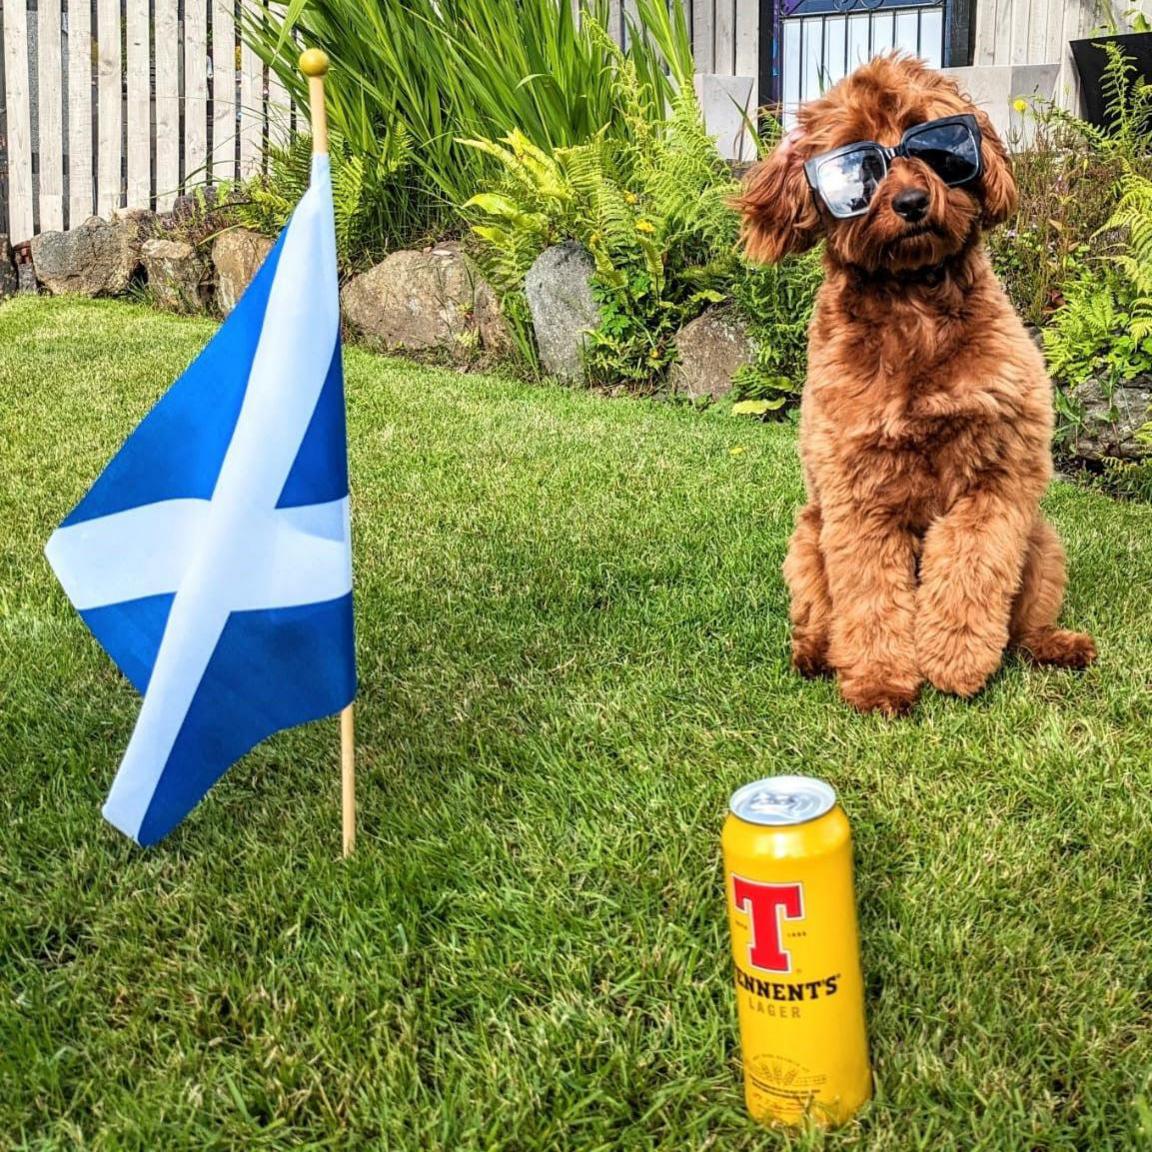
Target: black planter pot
[(1091, 60)]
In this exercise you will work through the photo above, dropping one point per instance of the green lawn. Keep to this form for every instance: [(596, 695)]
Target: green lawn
[(572, 634)]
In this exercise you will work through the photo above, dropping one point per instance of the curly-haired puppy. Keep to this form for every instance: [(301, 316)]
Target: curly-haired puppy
[(926, 420)]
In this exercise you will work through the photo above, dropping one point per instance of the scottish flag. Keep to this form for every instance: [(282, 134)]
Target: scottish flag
[(212, 558)]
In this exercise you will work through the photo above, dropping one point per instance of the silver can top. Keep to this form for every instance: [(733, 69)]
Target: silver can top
[(782, 800)]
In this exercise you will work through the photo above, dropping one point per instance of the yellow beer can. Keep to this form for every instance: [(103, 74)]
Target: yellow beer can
[(796, 948)]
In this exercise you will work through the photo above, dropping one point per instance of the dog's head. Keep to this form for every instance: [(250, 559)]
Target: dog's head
[(914, 219)]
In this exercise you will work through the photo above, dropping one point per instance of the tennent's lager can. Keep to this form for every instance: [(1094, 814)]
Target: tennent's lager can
[(799, 989)]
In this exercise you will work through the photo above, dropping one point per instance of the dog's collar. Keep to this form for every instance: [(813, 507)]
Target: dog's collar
[(931, 276)]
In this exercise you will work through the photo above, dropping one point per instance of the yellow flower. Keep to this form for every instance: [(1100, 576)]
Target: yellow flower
[(645, 226), (631, 198), (1020, 104), (739, 450)]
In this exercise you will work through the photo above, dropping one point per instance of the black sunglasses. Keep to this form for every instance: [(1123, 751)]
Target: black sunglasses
[(847, 178)]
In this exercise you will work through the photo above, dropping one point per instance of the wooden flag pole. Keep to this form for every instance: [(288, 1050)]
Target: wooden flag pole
[(348, 777), (314, 65)]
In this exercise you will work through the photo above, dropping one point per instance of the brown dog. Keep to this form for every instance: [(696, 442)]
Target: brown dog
[(926, 421)]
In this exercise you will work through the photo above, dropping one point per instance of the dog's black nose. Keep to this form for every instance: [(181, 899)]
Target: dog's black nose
[(912, 204)]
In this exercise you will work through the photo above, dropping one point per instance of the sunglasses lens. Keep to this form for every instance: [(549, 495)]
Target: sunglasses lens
[(950, 150), (848, 182)]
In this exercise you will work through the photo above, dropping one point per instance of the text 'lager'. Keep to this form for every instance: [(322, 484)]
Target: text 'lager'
[(799, 989)]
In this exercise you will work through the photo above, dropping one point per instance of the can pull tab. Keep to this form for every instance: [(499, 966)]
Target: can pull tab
[(774, 802)]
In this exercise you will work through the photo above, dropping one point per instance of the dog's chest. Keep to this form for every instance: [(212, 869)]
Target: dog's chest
[(911, 445)]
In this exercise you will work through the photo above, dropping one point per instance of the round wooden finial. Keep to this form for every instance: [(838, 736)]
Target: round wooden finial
[(314, 62)]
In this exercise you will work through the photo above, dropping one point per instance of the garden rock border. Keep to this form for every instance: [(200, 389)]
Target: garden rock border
[(434, 300), (9, 282)]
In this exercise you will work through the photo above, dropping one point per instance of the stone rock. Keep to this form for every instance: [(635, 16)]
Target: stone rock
[(414, 300), (138, 223), (26, 275), (8, 281), (237, 255), (564, 311), (178, 275), (711, 348), (97, 259), (1109, 424), (184, 209), (144, 219), (495, 332)]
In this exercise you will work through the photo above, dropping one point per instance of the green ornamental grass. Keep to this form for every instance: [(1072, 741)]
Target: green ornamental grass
[(573, 645), (442, 71)]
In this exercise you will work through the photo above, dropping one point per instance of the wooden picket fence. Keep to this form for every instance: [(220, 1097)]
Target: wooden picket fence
[(107, 104), (110, 105)]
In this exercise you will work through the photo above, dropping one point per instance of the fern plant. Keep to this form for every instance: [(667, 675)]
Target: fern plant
[(1104, 329), (366, 189), (777, 302), (1133, 219)]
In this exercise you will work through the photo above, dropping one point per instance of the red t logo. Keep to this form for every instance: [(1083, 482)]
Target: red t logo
[(767, 905)]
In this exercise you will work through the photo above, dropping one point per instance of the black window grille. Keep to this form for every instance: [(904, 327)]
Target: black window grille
[(807, 45)]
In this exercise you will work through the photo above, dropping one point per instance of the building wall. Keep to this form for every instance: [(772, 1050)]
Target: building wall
[(1016, 32), (1020, 49)]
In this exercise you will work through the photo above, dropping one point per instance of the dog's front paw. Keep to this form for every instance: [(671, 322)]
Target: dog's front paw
[(879, 693), (810, 654), (958, 662)]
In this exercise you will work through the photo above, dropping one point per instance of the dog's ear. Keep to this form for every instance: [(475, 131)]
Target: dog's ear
[(999, 185), (780, 214)]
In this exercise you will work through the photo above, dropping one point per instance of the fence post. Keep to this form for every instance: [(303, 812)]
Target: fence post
[(18, 93), (195, 91), (50, 117), (139, 107), (223, 90), (109, 108), (80, 190), (167, 103)]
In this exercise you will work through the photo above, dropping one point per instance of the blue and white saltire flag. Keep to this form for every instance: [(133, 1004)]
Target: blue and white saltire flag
[(212, 558)]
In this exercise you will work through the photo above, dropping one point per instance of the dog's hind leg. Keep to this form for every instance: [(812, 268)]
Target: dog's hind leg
[(1037, 605), (811, 607)]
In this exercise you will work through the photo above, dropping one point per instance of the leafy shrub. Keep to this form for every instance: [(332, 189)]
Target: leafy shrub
[(372, 209), (651, 208), (1105, 328), (1068, 181), (1098, 333), (1078, 258), (1131, 479), (777, 302), (1066, 196)]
